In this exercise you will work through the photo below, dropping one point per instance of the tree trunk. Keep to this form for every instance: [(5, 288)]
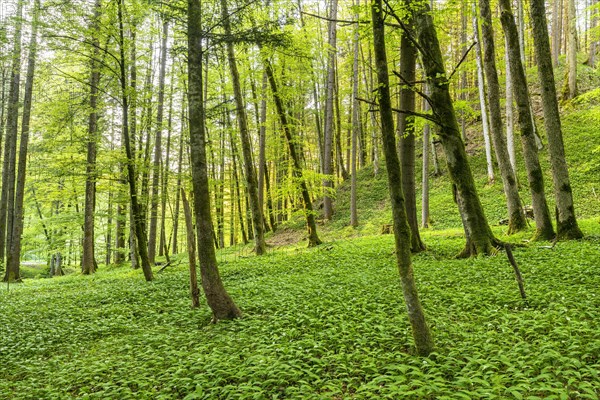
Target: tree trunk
[(311, 226), (420, 330), (179, 187), (516, 218), (544, 229), (571, 89), (194, 291), (10, 141), (329, 112), (480, 239), (163, 248), (510, 126), (425, 171), (158, 145), (13, 272), (566, 224), (482, 99), (87, 258), (556, 30), (355, 124), (406, 133), (249, 171), (138, 219), (217, 297)]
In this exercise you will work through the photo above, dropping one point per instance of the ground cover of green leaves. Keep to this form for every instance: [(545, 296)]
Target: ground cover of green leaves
[(322, 323)]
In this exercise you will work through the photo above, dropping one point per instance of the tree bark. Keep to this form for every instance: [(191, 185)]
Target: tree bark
[(480, 239), (566, 223), (416, 315), (179, 187), (218, 299), (544, 229), (571, 89), (510, 126), (194, 291), (355, 123), (516, 217), (13, 272)]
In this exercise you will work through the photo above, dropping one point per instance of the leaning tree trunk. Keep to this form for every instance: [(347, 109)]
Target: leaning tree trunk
[(10, 141), (406, 131), (14, 254), (544, 229), (566, 223), (416, 315), (311, 225), (480, 239), (249, 171), (218, 299), (516, 217), (87, 258), (158, 146), (136, 213)]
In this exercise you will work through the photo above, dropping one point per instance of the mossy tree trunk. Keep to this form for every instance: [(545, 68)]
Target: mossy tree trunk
[(543, 222), (566, 223), (416, 315), (480, 239), (516, 217)]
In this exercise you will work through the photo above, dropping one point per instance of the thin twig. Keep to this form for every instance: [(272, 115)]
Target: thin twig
[(513, 262), (461, 60), (428, 117)]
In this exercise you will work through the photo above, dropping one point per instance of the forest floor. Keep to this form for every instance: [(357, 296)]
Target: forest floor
[(329, 322)]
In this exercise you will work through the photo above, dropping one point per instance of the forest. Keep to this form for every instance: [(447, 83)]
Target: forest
[(303, 199)]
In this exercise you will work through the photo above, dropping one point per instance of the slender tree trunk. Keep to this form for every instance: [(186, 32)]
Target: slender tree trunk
[(566, 223), (571, 89), (329, 112), (480, 239), (163, 248), (510, 126), (262, 160), (249, 171), (406, 133), (338, 131), (544, 229), (179, 187), (138, 219), (194, 291), (217, 297), (482, 99), (311, 226), (425, 172), (355, 123), (516, 218), (158, 146), (236, 186), (420, 330), (87, 258), (13, 272), (556, 30), (593, 43), (10, 142)]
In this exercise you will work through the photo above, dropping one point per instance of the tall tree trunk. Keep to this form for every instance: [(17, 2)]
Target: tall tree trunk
[(158, 145), (355, 123), (249, 171), (516, 218), (14, 254), (338, 131), (480, 239), (571, 87), (329, 112), (566, 223), (544, 229), (311, 226), (87, 258), (556, 30), (482, 99), (163, 248), (138, 219), (420, 330), (425, 171), (10, 142), (406, 133), (218, 299)]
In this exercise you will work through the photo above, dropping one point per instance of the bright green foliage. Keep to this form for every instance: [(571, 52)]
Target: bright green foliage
[(321, 323)]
